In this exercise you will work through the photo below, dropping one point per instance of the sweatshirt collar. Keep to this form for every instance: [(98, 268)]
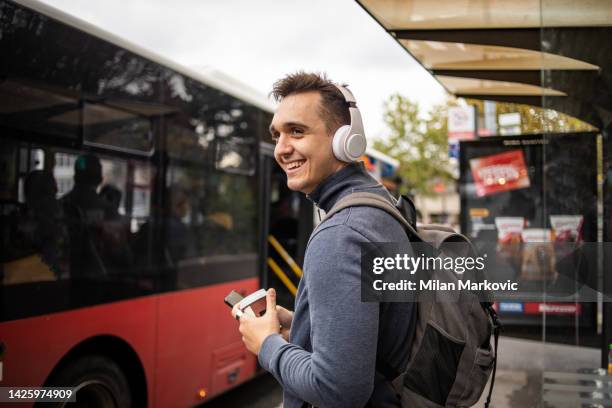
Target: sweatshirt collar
[(332, 188)]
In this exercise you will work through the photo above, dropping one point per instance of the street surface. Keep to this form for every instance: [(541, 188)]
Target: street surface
[(520, 371), (262, 392)]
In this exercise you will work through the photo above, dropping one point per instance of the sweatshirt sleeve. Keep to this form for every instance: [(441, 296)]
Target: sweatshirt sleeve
[(340, 370)]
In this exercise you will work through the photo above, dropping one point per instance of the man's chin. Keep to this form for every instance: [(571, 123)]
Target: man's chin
[(295, 185)]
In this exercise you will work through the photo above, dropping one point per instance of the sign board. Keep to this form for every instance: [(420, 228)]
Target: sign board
[(461, 123), (509, 124)]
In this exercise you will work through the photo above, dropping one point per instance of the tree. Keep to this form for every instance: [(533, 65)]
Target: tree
[(420, 144)]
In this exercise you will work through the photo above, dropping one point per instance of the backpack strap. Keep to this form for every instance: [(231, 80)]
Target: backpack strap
[(365, 199), (497, 328), (435, 235)]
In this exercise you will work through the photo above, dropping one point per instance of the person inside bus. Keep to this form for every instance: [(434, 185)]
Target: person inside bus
[(49, 235), (40, 240), (177, 241), (116, 231), (325, 354), (85, 212)]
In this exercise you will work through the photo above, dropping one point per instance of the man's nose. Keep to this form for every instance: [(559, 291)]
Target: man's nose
[(283, 146)]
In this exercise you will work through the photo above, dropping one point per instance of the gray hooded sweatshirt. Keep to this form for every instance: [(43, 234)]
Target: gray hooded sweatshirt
[(330, 359)]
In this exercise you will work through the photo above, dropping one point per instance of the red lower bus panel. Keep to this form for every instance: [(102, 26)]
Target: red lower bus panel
[(35, 345), (186, 341), (197, 337)]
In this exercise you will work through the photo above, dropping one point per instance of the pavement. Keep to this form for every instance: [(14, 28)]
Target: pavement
[(261, 392), (523, 366), (522, 370)]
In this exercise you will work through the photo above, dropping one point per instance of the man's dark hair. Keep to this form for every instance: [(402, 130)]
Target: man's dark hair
[(334, 108), (88, 170)]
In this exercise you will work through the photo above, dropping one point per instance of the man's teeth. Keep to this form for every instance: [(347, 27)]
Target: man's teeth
[(295, 165)]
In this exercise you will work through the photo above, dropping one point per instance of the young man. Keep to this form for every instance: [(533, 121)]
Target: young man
[(329, 358)]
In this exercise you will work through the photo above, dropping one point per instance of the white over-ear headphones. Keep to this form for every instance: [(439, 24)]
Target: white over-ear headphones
[(349, 142)]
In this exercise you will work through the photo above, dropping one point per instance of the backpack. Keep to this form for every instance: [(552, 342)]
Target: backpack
[(450, 357)]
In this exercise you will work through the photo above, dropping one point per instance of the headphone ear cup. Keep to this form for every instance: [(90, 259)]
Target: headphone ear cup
[(354, 146), (339, 141)]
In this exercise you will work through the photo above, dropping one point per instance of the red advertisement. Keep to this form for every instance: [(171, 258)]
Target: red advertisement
[(538, 308), (499, 172), (571, 309)]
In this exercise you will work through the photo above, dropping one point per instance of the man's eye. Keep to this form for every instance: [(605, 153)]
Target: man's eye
[(297, 131)]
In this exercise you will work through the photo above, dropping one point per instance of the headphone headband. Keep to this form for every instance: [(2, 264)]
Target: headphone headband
[(348, 95)]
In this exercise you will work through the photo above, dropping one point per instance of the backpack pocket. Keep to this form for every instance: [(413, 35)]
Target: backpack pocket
[(478, 377), (411, 399), (431, 374)]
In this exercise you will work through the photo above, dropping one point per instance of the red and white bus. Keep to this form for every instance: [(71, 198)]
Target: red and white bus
[(134, 196)]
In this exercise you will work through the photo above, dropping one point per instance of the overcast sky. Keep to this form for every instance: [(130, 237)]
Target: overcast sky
[(259, 41)]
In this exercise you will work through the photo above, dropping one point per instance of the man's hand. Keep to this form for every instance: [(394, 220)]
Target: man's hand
[(285, 317), (254, 330)]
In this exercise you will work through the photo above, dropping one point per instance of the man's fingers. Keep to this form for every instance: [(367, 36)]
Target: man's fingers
[(284, 316), (271, 300)]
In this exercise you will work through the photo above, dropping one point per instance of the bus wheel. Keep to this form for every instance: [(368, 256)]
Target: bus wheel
[(98, 382)]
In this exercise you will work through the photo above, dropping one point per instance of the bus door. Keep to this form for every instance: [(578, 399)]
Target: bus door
[(290, 223)]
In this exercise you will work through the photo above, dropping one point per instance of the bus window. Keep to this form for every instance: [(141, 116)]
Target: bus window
[(120, 128), (69, 221), (64, 172), (210, 224), (189, 144), (32, 107), (235, 155), (209, 227), (142, 184)]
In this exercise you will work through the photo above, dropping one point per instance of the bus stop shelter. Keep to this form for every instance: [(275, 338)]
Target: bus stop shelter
[(551, 54)]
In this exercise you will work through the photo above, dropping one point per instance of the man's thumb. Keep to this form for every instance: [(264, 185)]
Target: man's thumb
[(271, 300)]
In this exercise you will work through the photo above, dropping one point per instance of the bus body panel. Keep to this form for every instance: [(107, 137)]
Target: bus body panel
[(199, 346), (34, 346)]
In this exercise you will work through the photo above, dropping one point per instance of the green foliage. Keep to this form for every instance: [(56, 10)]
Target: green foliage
[(420, 144)]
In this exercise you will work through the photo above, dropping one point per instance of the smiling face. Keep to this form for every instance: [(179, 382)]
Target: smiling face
[(303, 143)]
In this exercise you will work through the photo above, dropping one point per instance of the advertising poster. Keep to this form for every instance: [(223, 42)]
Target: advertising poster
[(499, 172), (525, 200)]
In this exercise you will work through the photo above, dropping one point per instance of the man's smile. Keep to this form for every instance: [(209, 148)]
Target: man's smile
[(293, 166)]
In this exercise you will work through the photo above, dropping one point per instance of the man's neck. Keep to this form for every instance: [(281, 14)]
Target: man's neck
[(326, 193)]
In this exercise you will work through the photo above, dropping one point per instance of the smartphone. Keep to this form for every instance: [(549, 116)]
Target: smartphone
[(233, 298), (255, 303)]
